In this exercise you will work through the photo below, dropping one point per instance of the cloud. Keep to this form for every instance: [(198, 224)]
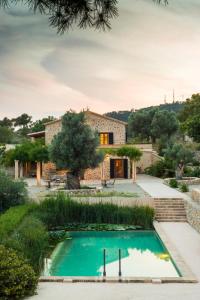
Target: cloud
[(150, 50)]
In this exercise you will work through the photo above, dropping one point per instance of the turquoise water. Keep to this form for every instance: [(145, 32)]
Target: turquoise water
[(142, 255)]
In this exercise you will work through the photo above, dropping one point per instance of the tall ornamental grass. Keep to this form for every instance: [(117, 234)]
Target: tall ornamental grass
[(10, 220), (31, 239), (60, 210)]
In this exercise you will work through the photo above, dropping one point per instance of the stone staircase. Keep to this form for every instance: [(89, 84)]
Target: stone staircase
[(170, 210)]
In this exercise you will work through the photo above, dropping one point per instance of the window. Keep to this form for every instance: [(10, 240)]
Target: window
[(106, 138)]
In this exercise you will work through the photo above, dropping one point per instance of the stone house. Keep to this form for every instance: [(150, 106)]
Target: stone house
[(112, 134)]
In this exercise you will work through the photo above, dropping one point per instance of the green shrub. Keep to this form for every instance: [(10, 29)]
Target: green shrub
[(60, 210), (184, 188), (192, 171), (17, 278), (56, 237), (161, 169), (12, 218), (12, 192), (173, 183), (31, 239)]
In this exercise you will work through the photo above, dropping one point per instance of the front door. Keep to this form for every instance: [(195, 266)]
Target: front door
[(118, 168)]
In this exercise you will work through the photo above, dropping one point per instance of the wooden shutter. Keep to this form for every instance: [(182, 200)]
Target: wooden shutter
[(110, 138), (126, 136), (112, 168), (125, 168)]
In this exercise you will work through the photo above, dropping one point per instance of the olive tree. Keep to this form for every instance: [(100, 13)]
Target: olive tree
[(179, 155), (164, 124), (74, 147)]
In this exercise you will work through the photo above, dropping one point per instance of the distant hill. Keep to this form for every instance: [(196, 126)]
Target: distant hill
[(123, 115)]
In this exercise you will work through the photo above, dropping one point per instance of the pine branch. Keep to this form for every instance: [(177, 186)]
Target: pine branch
[(66, 14)]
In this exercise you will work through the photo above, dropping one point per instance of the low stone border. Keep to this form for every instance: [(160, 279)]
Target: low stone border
[(65, 279), (187, 274), (196, 195), (92, 191), (185, 180)]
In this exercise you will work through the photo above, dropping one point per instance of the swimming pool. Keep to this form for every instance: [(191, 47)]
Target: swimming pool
[(142, 255)]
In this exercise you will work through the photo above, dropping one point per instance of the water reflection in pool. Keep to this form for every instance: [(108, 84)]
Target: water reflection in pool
[(142, 255)]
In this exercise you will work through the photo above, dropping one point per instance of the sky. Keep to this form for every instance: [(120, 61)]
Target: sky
[(151, 50)]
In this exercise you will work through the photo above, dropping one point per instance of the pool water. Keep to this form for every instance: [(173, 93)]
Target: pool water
[(142, 255)]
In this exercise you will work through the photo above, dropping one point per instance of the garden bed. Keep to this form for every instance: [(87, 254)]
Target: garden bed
[(184, 180), (79, 192)]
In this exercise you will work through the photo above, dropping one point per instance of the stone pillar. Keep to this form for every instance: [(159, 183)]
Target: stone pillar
[(134, 171), (21, 170), (38, 173), (16, 169)]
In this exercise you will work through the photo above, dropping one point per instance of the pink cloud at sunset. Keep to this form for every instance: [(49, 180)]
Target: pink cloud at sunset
[(150, 51)]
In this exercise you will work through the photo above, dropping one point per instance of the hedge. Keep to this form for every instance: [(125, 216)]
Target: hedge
[(12, 218)]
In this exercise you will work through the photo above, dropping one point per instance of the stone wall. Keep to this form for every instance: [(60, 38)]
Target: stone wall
[(52, 129), (103, 170), (102, 124), (193, 214), (97, 122), (148, 158), (196, 195), (120, 201), (192, 207), (47, 169), (93, 174)]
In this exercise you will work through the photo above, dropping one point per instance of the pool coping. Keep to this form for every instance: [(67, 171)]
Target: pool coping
[(187, 274)]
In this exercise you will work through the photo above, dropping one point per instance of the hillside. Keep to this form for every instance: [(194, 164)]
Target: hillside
[(123, 115)]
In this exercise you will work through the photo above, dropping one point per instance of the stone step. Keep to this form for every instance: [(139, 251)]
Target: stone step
[(172, 220), (169, 203), (170, 207), (171, 216), (170, 210)]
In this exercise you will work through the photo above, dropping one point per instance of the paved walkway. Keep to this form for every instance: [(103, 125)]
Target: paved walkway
[(117, 291), (154, 187)]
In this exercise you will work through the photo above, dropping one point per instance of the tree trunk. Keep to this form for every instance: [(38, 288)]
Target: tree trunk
[(179, 171), (72, 181)]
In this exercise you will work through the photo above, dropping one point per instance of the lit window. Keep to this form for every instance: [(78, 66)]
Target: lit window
[(104, 138)]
